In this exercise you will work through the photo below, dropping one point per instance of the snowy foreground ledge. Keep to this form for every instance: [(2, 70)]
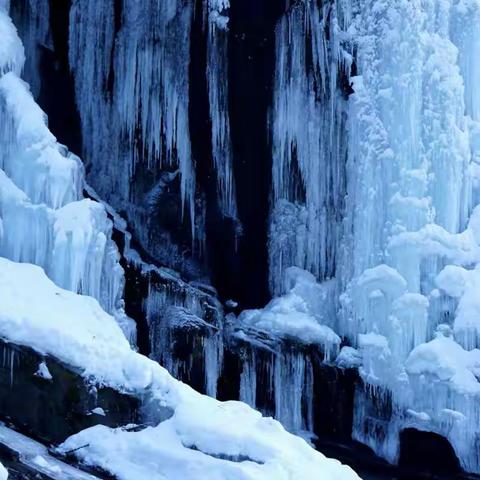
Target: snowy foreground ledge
[(203, 438)]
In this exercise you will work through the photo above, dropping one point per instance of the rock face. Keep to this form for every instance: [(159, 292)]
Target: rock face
[(51, 402)]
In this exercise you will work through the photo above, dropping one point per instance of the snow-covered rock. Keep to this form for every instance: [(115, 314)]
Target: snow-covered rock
[(203, 435)]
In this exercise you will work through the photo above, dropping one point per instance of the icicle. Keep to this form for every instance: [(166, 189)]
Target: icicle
[(217, 75), (248, 380), (213, 348)]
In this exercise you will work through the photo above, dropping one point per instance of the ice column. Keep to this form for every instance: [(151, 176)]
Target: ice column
[(308, 142)]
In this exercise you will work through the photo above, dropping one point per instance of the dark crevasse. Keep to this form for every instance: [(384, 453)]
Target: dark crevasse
[(251, 76)]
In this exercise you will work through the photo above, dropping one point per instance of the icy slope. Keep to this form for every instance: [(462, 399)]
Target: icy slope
[(203, 437)]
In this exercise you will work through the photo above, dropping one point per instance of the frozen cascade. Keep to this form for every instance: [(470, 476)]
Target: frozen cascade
[(308, 138), (412, 230), (41, 193), (292, 381), (376, 186), (185, 328), (289, 375), (404, 247)]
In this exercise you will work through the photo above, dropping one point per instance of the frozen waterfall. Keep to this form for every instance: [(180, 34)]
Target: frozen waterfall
[(44, 218)]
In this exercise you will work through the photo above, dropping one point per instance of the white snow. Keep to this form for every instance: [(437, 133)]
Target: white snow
[(74, 329), (99, 411), (448, 361), (349, 357), (43, 372), (299, 314), (3, 473)]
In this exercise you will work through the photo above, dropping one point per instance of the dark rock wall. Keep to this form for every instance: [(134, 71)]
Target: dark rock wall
[(52, 410)]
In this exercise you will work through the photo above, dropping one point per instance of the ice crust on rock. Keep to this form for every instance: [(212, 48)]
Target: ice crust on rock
[(301, 314)]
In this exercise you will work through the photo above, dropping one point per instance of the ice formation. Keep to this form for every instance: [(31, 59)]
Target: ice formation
[(61, 284), (135, 107), (199, 438), (302, 314), (404, 246), (374, 239), (308, 143), (44, 218), (411, 190), (217, 74)]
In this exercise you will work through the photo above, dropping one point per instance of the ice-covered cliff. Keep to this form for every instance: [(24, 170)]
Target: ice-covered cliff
[(324, 151)]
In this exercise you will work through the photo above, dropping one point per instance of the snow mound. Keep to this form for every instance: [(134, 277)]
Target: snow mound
[(446, 360)]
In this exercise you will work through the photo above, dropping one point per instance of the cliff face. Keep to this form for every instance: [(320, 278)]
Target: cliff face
[(314, 160)]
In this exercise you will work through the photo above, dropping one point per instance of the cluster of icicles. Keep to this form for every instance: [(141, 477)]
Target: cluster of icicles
[(44, 218)]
